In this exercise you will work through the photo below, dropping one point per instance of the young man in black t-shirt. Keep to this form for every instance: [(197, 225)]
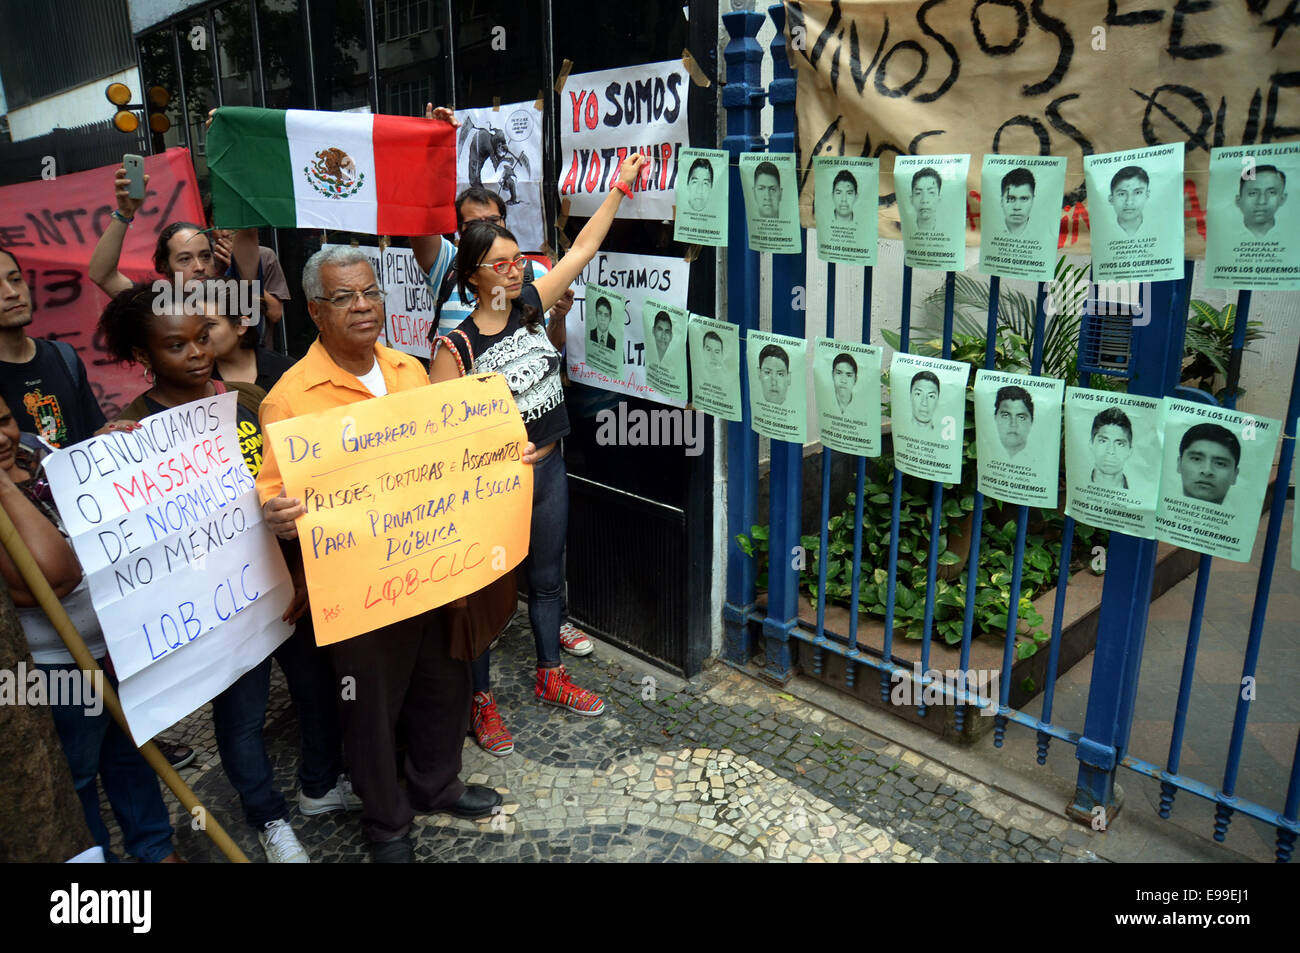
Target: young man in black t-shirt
[(43, 382)]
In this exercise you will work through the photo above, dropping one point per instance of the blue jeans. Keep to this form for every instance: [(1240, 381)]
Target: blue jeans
[(544, 566), (239, 713), (95, 745)]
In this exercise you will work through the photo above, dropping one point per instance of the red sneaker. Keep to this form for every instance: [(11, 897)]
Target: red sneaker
[(574, 641), (489, 731), (555, 688)]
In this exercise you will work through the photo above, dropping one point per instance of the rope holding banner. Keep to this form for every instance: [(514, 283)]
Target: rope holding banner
[(40, 589)]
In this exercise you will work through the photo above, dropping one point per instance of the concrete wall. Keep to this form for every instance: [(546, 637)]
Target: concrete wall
[(74, 107)]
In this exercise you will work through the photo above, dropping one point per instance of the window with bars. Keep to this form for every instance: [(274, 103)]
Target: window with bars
[(401, 18), (407, 99)]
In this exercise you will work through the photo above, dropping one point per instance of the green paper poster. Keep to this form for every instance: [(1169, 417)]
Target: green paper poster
[(846, 192), (928, 414), (1252, 234), (665, 349), (701, 217), (715, 367), (931, 193), (771, 201), (1114, 449), (1135, 213), (1018, 437), (1020, 215), (846, 377), (1216, 469), (778, 394), (606, 313)]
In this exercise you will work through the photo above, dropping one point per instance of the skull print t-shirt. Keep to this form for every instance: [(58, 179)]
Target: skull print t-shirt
[(529, 363)]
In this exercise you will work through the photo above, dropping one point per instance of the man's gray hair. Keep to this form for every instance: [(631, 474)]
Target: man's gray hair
[(336, 255)]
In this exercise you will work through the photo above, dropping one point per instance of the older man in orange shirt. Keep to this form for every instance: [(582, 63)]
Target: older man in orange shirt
[(400, 673)]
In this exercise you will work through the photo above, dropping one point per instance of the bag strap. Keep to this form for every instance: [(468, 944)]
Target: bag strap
[(455, 351), (69, 355)]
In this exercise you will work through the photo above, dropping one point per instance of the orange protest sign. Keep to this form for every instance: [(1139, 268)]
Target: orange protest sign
[(413, 500)]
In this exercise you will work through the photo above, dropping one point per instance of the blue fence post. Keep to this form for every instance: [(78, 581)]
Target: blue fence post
[(1157, 350), (742, 98), (786, 478)]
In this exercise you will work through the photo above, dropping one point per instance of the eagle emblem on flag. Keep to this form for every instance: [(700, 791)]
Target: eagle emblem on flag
[(334, 173)]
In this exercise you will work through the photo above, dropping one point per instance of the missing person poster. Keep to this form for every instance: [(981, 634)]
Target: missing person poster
[(931, 194), (665, 351), (1114, 448), (1135, 206), (846, 379), (608, 114), (1252, 236), (1216, 468), (606, 312), (928, 414), (715, 367), (769, 182), (1018, 437), (778, 394), (1018, 233), (702, 192), (847, 191)]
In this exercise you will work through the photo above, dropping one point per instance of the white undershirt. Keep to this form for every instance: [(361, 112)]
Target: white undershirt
[(374, 380)]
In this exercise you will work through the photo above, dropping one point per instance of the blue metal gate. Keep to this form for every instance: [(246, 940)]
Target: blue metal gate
[(1156, 349)]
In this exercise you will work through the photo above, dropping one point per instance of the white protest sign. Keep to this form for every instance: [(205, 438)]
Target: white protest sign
[(636, 277), (166, 523), (408, 303), (608, 114), (501, 150)]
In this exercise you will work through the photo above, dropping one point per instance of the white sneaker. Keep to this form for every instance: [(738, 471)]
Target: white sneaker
[(338, 798), (281, 844)]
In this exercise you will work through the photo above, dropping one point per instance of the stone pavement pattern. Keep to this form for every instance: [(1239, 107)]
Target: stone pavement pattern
[(720, 768)]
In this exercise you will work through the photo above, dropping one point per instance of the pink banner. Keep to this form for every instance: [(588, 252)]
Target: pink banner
[(52, 226)]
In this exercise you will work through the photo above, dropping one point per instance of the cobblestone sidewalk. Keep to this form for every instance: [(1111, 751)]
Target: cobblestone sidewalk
[(720, 768)]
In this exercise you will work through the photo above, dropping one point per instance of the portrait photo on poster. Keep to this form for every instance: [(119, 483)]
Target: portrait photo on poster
[(846, 192), (703, 187), (605, 312), (1114, 451), (931, 192), (1018, 436), (714, 348), (769, 183), (664, 327), (1217, 464), (927, 415), (1136, 213), (1020, 213), (846, 385), (778, 393), (1252, 233)]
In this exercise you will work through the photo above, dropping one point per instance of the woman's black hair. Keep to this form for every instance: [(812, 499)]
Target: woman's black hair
[(475, 243), (124, 325), (160, 254)]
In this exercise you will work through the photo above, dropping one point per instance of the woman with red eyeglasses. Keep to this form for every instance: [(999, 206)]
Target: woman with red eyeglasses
[(504, 333)]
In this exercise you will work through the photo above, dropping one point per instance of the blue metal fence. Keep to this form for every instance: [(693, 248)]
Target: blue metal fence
[(1156, 349)]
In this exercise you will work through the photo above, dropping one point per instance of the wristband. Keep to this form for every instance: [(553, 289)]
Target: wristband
[(120, 217), (623, 187)]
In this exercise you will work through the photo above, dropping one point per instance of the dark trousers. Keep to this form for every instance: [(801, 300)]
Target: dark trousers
[(401, 676)]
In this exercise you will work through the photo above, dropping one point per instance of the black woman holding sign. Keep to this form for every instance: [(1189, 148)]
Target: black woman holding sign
[(504, 333)]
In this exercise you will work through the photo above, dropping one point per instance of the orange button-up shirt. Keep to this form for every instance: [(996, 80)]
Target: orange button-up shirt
[(316, 383)]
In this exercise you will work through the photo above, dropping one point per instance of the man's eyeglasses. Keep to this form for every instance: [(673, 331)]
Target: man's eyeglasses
[(504, 267), (344, 299)]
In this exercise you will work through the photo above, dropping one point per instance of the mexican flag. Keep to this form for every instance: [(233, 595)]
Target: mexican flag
[(355, 172)]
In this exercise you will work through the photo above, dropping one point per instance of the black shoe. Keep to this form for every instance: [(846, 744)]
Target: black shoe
[(475, 803), (178, 756), (399, 851)]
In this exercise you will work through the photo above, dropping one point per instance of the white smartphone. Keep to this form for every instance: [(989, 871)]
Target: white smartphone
[(134, 166)]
